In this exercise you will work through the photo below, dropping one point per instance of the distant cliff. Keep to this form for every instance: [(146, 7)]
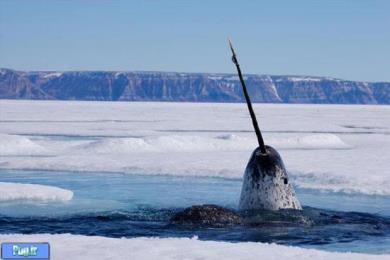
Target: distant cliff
[(196, 87)]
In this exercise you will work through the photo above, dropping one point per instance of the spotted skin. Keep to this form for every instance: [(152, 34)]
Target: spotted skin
[(266, 184)]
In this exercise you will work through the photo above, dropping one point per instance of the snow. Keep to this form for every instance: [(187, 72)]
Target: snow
[(314, 141), (215, 77), (32, 192), (273, 87), (234, 78), (177, 143), (75, 247), (117, 74), (298, 79), (337, 148), (18, 145), (52, 75), (301, 78)]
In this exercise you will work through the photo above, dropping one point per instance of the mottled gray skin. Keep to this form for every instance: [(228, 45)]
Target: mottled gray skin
[(266, 185), (207, 215)]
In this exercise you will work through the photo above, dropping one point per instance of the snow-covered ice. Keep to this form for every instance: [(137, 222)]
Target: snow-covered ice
[(19, 145), (327, 147), (33, 192), (75, 247)]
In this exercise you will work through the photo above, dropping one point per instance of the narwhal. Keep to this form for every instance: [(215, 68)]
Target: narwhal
[(265, 184)]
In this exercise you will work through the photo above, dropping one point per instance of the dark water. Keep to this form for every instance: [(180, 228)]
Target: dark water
[(117, 205), (310, 227)]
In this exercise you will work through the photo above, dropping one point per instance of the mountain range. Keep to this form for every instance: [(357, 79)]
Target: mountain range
[(191, 87)]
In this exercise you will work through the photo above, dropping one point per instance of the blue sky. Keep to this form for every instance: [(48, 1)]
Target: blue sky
[(347, 39)]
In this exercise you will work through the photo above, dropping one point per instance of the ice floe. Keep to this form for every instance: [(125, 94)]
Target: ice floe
[(33, 192)]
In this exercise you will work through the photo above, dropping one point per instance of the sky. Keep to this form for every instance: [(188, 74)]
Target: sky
[(348, 39)]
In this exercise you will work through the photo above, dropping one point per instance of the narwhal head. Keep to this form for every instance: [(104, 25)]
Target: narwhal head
[(265, 184)]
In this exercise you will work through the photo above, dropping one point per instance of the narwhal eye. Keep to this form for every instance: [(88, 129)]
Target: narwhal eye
[(285, 180)]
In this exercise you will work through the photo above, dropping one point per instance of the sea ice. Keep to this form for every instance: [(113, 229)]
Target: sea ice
[(339, 148), (33, 192), (75, 247)]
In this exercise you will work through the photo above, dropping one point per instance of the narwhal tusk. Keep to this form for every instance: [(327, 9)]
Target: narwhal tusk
[(248, 102)]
